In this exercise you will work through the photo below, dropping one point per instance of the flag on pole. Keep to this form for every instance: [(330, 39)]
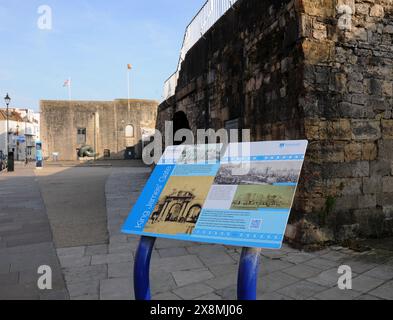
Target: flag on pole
[(67, 84)]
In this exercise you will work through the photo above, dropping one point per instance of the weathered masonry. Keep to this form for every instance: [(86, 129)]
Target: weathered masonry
[(315, 69), (113, 128)]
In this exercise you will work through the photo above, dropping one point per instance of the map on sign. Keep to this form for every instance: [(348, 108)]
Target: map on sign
[(240, 194)]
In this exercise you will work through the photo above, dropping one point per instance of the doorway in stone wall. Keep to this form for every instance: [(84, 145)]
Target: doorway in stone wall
[(180, 121)]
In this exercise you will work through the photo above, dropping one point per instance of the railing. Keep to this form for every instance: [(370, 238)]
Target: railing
[(202, 22)]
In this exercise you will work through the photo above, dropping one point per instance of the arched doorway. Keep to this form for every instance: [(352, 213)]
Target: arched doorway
[(193, 213), (180, 122), (174, 212)]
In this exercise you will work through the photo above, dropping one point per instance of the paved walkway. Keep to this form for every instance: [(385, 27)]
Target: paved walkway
[(184, 270), (25, 239), (75, 204)]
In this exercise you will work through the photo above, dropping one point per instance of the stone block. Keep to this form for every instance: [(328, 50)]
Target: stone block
[(183, 278), (387, 184), (302, 290), (353, 151), (120, 270), (372, 185), (319, 8), (387, 129), (366, 130), (117, 289), (336, 130), (193, 291), (369, 151), (377, 11), (385, 291)]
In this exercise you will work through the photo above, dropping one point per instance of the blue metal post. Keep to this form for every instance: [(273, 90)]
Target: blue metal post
[(142, 267), (248, 274)]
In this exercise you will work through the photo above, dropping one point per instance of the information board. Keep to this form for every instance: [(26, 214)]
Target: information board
[(38, 155), (240, 194)]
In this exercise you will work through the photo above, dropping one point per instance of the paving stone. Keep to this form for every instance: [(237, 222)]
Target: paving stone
[(162, 243), (177, 263), (56, 295), (365, 284), (385, 291), (228, 293), (272, 296), (111, 258), (336, 294), (74, 261), (165, 296), (335, 256), (89, 273), (74, 251), (117, 289), (222, 269), (120, 270), (9, 278), (4, 267), (328, 278), (301, 290), (302, 271), (96, 250), (367, 297), (172, 252), (19, 292), (88, 297), (183, 278), (222, 282), (209, 297), (359, 266), (274, 281), (214, 259), (383, 272), (161, 282), (78, 289), (193, 291), (128, 248), (322, 264), (298, 257), (268, 266)]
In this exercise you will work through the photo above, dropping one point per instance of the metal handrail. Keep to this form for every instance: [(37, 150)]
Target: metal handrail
[(207, 16)]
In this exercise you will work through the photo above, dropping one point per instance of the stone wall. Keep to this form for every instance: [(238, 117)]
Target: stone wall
[(60, 121), (293, 69)]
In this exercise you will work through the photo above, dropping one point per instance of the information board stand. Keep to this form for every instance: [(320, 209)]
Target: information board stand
[(240, 195), (247, 275)]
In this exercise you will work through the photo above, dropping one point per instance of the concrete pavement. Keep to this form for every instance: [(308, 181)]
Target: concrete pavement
[(179, 270), (185, 270), (26, 240), (75, 203)]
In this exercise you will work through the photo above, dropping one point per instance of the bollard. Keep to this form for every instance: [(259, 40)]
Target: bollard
[(248, 274), (142, 268)]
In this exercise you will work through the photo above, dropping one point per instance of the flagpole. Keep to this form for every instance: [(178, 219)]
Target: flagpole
[(69, 89), (128, 87)]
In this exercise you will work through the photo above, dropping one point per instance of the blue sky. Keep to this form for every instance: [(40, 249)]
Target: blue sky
[(91, 41)]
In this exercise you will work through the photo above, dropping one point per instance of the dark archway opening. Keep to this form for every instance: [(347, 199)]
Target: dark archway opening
[(180, 122)]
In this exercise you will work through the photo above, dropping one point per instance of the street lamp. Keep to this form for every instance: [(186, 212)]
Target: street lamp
[(7, 100)]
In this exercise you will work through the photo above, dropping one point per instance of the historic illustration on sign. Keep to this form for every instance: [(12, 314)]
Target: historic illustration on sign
[(179, 206), (262, 196), (259, 173)]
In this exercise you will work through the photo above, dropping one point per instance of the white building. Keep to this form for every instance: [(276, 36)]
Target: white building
[(24, 131)]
